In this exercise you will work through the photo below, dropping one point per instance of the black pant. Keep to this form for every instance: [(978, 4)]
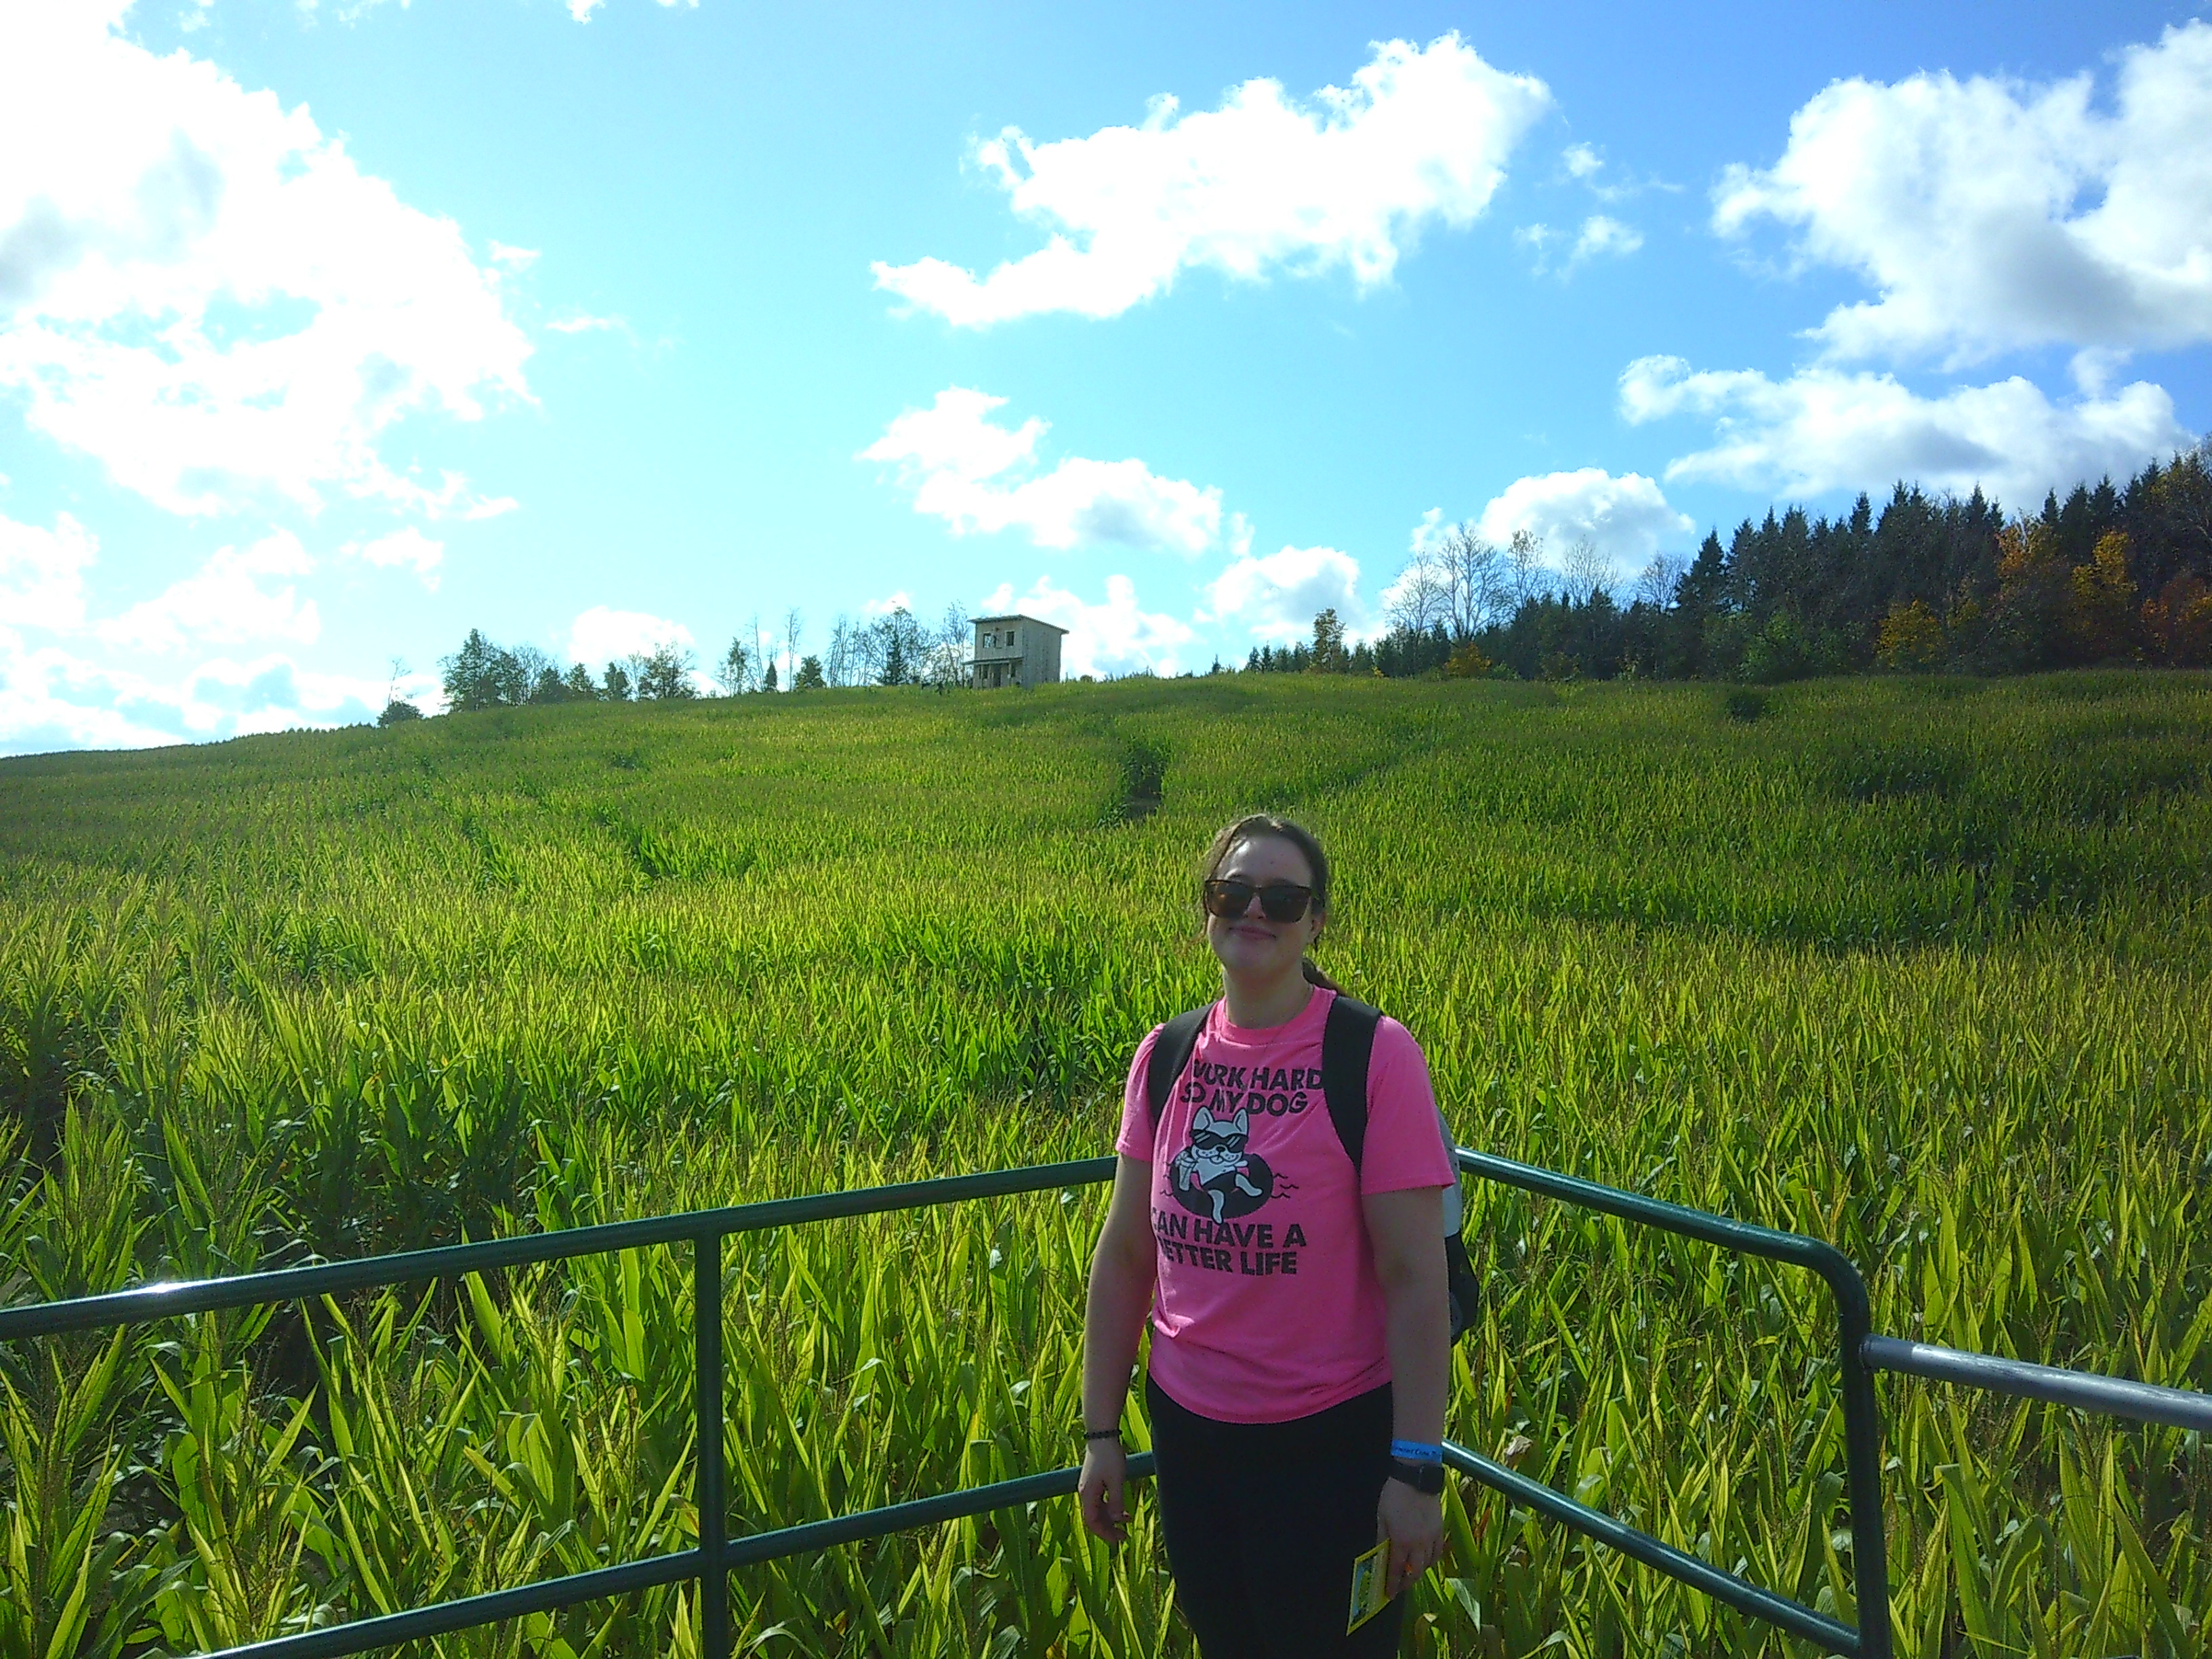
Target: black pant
[(1262, 1522)]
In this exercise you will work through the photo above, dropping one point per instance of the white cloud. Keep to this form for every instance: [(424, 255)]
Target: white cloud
[(967, 470), (1992, 215), (1601, 235), (407, 547), (1265, 183), (1823, 429), (582, 10), (583, 322), (52, 699), (274, 694), (1277, 598), (1582, 161), (1626, 518), (200, 289), (42, 572), (900, 600), (1115, 637), (225, 603), (601, 634)]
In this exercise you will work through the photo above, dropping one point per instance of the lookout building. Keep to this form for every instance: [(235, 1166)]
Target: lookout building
[(1015, 651)]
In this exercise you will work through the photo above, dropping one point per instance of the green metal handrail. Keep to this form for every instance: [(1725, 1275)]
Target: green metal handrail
[(1862, 1419), (711, 1560), (1859, 1352)]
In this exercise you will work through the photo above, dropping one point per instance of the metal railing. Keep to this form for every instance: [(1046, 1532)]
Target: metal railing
[(1862, 1419), (1859, 1354), (710, 1562)]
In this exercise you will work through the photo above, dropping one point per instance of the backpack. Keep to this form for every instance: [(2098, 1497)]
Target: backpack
[(1347, 1042)]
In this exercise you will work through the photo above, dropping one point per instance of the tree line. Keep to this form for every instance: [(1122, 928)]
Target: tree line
[(2109, 575), (892, 648)]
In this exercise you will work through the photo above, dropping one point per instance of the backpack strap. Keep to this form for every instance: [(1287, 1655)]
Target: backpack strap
[(1170, 1057), (1347, 1042)]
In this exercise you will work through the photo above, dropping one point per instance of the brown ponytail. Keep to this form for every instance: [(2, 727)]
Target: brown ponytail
[(1315, 976)]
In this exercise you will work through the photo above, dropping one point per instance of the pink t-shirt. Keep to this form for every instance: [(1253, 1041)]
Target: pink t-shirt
[(1266, 1306)]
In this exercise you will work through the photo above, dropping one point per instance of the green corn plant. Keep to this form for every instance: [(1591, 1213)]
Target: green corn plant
[(69, 1584), (1916, 968), (242, 1472)]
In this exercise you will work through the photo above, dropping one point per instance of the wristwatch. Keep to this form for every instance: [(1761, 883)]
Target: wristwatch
[(1427, 1478)]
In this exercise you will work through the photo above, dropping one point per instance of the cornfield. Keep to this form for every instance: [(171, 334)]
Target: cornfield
[(1923, 967)]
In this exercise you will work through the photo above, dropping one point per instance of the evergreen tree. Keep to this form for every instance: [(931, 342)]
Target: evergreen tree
[(479, 675), (896, 647), (1328, 644)]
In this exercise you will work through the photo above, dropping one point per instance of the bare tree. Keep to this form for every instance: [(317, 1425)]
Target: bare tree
[(1472, 581), (869, 641), (532, 668), (1585, 572), (840, 664), (1453, 579), (763, 649), (947, 663), (1416, 600), (794, 625), (1524, 559), (1655, 586), (735, 673)]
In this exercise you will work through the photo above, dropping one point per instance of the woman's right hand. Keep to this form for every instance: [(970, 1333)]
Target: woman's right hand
[(1098, 1489)]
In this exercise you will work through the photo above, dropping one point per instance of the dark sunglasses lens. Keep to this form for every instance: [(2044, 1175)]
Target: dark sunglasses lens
[(1228, 898), (1283, 903)]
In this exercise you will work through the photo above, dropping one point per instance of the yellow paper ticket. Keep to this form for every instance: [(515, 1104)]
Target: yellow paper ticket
[(1369, 1586)]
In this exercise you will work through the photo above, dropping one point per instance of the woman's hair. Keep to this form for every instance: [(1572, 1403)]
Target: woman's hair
[(1259, 826)]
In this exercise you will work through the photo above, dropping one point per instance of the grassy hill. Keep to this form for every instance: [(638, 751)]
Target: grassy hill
[(1919, 966)]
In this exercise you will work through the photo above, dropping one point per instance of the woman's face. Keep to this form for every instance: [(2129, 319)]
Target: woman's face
[(1250, 944)]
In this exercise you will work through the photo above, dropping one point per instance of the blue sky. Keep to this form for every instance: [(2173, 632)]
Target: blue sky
[(329, 331)]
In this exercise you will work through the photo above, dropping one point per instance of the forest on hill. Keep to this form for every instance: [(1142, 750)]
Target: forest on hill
[(2109, 575)]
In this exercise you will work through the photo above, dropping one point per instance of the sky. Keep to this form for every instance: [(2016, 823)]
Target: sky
[(332, 329)]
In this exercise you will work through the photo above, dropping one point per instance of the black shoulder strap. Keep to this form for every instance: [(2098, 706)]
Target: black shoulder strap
[(1347, 1043), (1170, 1055)]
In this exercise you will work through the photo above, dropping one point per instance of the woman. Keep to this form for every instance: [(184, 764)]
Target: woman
[(1296, 1388)]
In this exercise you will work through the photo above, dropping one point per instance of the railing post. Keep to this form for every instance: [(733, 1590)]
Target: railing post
[(706, 1406), (1862, 1460)]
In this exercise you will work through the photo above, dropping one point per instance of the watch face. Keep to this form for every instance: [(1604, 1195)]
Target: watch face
[(1427, 1477)]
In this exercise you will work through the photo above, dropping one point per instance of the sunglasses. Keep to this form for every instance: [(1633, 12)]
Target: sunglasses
[(1279, 901)]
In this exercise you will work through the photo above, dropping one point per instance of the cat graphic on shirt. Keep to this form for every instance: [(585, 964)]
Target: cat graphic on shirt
[(1215, 1172)]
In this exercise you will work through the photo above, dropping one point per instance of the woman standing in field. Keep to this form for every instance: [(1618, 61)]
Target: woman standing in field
[(1289, 1255)]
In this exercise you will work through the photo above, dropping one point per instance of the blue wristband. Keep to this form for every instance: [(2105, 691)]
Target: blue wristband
[(1416, 1451)]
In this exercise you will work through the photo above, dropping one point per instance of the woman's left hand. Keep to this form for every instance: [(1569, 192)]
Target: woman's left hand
[(1414, 1523)]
